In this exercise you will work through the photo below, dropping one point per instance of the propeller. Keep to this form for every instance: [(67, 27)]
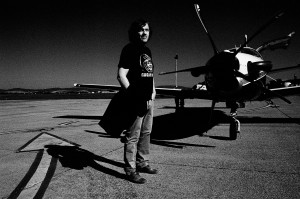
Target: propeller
[(275, 17), (282, 42), (268, 91), (203, 69), (197, 8), (196, 71)]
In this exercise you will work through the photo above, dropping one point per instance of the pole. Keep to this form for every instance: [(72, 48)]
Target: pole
[(176, 58)]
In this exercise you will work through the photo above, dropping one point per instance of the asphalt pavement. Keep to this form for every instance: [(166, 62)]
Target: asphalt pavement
[(56, 149)]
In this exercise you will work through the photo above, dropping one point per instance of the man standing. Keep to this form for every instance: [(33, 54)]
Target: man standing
[(135, 75)]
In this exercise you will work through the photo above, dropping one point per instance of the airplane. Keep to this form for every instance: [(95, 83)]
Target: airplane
[(235, 76)]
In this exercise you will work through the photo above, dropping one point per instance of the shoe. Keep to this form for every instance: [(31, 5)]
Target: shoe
[(135, 177), (147, 169)]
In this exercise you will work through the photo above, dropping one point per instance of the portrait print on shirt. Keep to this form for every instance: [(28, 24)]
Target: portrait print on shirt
[(147, 65)]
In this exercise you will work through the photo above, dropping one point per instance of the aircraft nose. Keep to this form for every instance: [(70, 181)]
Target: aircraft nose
[(223, 63)]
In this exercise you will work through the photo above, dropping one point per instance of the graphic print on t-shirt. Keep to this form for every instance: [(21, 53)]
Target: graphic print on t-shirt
[(147, 66)]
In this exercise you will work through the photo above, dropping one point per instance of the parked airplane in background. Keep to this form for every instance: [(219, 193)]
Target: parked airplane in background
[(234, 76)]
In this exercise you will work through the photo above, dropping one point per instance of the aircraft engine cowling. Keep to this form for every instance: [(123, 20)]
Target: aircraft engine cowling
[(258, 66), (221, 80)]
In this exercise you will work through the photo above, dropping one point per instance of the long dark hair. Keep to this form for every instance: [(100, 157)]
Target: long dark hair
[(135, 27)]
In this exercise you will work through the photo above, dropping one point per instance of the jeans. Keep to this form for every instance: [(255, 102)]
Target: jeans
[(137, 140)]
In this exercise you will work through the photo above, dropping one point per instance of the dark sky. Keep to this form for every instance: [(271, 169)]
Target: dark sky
[(45, 44)]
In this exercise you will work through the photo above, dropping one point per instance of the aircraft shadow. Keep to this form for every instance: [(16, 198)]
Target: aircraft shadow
[(195, 121), (100, 134), (186, 123), (180, 124), (153, 141), (179, 145), (76, 158), (244, 119)]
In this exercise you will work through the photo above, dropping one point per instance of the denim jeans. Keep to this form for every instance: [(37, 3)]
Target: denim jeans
[(137, 140)]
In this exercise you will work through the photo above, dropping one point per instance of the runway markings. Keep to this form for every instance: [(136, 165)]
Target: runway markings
[(39, 175)]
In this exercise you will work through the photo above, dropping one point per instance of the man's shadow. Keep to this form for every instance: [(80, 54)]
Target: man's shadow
[(76, 158)]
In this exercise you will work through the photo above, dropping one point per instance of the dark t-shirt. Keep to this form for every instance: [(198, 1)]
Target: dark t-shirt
[(138, 59)]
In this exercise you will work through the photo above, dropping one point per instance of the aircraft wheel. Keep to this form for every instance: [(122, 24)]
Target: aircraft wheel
[(234, 129)]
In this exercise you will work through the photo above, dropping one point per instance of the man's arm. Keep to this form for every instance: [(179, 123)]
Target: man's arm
[(154, 91), (122, 77)]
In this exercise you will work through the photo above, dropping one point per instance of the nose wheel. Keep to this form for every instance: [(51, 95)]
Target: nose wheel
[(234, 127)]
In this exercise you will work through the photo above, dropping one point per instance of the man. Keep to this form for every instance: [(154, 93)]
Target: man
[(135, 75)]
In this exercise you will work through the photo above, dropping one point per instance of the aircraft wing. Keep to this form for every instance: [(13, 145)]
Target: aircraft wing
[(172, 92), (286, 91), (189, 93), (100, 86), (184, 93), (284, 69)]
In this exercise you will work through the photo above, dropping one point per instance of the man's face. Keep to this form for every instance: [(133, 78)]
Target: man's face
[(144, 33)]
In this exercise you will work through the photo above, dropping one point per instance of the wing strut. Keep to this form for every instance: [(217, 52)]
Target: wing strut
[(213, 103)]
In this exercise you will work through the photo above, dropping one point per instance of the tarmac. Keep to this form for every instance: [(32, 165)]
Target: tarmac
[(56, 149)]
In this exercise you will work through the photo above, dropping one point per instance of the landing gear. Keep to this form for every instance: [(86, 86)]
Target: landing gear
[(234, 127), (179, 103)]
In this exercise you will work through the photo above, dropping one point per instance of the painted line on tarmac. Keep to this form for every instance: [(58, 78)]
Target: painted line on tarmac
[(37, 179)]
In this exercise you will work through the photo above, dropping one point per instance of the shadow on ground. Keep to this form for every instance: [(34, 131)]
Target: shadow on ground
[(76, 158), (188, 122), (181, 124)]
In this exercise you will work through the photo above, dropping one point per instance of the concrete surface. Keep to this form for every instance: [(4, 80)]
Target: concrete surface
[(264, 162)]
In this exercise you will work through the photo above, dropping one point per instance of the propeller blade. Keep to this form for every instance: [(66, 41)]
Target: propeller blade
[(197, 8), (283, 69), (278, 15), (282, 42), (199, 69), (268, 91)]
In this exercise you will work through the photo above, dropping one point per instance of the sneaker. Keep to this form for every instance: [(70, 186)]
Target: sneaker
[(135, 177), (147, 169)]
